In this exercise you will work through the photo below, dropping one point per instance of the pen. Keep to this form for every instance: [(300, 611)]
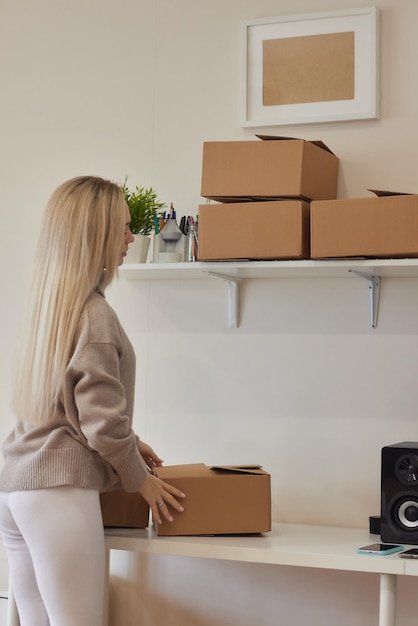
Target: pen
[(156, 225)]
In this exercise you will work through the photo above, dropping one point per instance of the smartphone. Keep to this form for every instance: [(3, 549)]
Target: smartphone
[(380, 549), (412, 553)]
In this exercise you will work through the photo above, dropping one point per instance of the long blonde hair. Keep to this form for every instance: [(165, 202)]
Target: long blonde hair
[(78, 250)]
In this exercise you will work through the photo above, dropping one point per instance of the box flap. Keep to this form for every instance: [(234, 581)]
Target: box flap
[(379, 193), (318, 143), (238, 469)]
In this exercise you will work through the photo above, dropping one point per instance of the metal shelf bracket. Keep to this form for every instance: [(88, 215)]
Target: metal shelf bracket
[(374, 289), (233, 284)]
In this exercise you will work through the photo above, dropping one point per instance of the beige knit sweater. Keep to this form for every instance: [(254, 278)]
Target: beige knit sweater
[(90, 442)]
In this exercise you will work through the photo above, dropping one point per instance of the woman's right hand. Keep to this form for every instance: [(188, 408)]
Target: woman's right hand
[(159, 494)]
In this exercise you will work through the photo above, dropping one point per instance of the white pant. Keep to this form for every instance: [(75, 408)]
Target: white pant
[(54, 542)]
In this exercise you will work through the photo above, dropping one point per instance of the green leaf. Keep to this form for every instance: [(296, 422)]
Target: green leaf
[(143, 205)]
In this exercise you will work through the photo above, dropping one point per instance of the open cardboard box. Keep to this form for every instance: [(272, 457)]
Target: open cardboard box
[(384, 226), (219, 500), (254, 230), (275, 167), (124, 510)]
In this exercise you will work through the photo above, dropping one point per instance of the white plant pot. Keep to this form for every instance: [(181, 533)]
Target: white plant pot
[(138, 250)]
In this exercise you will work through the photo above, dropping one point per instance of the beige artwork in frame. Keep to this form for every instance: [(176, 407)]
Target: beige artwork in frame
[(319, 67)]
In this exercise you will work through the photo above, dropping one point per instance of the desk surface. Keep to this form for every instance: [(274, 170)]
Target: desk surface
[(287, 544)]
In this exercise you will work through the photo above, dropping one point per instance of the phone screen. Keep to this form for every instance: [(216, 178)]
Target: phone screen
[(380, 548), (412, 553)]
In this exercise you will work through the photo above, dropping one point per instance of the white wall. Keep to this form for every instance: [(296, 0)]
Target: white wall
[(304, 386)]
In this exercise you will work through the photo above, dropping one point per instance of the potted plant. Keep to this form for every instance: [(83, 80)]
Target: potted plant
[(145, 211)]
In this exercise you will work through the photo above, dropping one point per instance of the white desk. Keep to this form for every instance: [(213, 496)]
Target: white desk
[(287, 544)]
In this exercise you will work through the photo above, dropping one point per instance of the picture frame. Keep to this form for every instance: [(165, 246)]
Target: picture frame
[(311, 68)]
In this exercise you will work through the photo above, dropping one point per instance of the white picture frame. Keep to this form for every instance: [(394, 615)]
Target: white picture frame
[(363, 104)]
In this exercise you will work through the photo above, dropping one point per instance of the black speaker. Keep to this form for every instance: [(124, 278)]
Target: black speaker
[(399, 493)]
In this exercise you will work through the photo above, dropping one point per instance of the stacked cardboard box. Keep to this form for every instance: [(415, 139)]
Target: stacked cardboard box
[(384, 226), (124, 510), (264, 188), (219, 500)]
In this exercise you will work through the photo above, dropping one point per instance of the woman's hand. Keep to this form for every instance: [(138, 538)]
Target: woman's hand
[(159, 494), (150, 457)]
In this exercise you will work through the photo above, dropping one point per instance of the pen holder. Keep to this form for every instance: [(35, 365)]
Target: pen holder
[(169, 251)]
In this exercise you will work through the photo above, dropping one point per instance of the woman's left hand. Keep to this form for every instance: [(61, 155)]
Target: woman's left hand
[(150, 457), (160, 495)]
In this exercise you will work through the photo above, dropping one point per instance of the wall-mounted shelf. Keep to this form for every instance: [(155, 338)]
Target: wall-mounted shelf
[(232, 272)]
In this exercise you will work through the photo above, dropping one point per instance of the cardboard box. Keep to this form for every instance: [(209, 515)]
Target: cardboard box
[(385, 227), (254, 230), (275, 167), (219, 500), (124, 510)]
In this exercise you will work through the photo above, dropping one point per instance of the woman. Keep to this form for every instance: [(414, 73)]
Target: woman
[(73, 399)]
